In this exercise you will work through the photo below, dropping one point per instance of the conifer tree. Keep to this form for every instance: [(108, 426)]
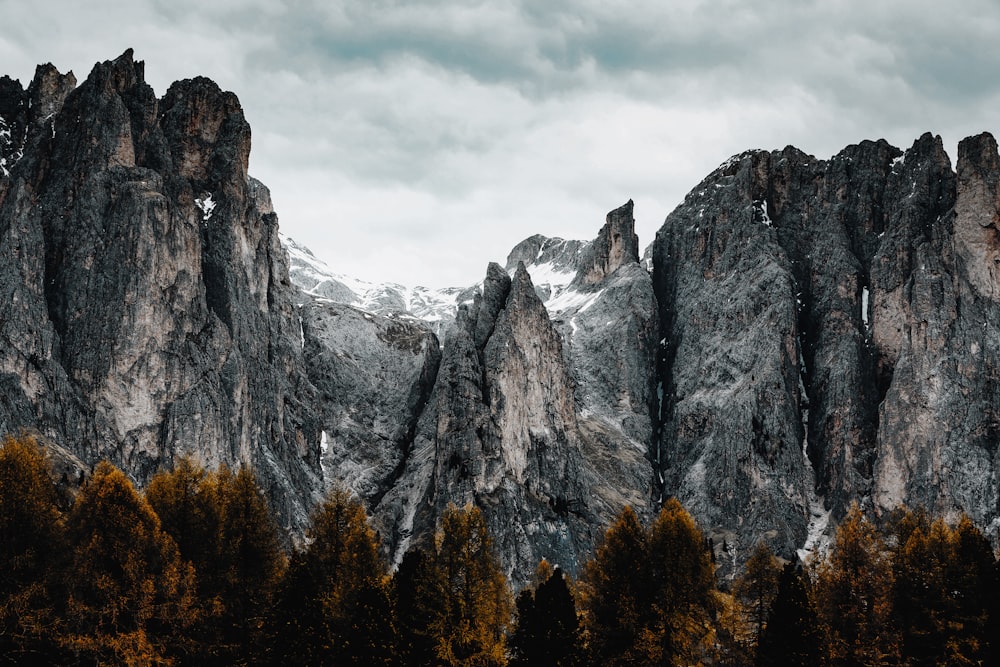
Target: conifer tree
[(249, 565), (853, 596), (186, 501), (418, 593), (792, 636), (333, 606), (130, 597), (617, 600), (31, 540), (683, 581), (547, 630), (755, 590), (477, 600)]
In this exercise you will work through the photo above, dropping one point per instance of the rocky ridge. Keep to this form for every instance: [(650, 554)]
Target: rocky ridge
[(831, 316), (148, 311), (814, 333)]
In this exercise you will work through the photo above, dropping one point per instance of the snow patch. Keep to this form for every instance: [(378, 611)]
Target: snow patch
[(760, 207), (864, 305), (206, 205)]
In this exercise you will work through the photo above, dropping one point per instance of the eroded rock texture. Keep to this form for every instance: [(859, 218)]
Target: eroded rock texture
[(839, 309), (147, 311)]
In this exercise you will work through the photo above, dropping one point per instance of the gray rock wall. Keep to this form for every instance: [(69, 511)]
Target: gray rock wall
[(148, 311)]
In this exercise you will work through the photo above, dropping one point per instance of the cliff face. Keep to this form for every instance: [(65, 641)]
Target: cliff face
[(814, 333), (831, 316), (148, 311)]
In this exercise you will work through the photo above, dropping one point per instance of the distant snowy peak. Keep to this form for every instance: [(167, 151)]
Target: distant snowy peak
[(552, 264), (314, 277)]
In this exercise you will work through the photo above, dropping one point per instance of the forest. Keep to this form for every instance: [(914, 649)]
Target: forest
[(193, 571)]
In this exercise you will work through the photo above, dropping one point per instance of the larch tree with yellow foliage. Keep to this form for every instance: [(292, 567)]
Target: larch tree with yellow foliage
[(129, 595), (478, 605)]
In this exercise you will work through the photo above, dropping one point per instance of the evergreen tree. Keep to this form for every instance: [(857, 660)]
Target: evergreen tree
[(618, 596), (333, 606), (547, 630), (418, 591), (755, 591), (186, 501), (31, 539), (248, 566), (944, 585), (853, 594), (130, 597), (792, 636), (477, 600), (683, 582), (975, 585)]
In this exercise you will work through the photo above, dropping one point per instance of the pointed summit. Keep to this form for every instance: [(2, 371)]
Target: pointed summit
[(615, 245)]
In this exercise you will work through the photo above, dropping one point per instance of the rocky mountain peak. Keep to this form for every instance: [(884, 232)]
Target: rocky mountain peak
[(616, 244), (208, 136)]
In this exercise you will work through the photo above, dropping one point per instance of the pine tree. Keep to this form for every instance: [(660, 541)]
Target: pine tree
[(333, 606), (31, 540), (853, 594), (618, 596), (418, 592), (477, 600), (547, 630), (249, 566), (130, 597), (792, 636), (683, 581), (186, 501), (755, 590)]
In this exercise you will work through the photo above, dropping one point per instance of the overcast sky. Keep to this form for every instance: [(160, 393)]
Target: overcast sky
[(415, 141)]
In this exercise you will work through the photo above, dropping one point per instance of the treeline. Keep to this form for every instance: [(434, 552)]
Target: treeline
[(193, 572)]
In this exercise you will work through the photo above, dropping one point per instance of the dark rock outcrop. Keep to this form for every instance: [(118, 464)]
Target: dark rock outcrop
[(839, 309), (147, 308)]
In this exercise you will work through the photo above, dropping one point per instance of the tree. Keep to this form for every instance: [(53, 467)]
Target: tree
[(853, 594), (547, 630), (223, 525), (31, 540), (418, 591), (617, 595), (130, 597), (792, 636), (477, 600), (944, 584), (683, 580), (755, 591), (186, 501), (249, 565), (333, 606)]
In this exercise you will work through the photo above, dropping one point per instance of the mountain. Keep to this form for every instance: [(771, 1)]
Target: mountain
[(148, 312), (801, 335)]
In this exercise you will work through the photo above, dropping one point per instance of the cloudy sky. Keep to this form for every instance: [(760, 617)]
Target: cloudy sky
[(417, 140)]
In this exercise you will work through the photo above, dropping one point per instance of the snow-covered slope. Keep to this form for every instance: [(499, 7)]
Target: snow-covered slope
[(314, 277)]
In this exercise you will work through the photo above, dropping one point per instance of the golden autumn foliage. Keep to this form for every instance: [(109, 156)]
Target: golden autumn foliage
[(194, 573), (129, 596), (478, 605)]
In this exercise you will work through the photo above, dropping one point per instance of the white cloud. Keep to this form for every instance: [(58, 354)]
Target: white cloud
[(417, 141)]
